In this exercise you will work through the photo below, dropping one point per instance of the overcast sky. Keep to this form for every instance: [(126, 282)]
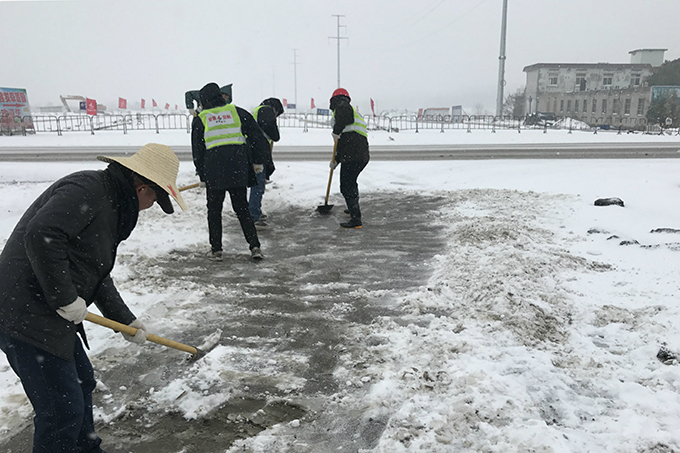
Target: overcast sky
[(402, 53)]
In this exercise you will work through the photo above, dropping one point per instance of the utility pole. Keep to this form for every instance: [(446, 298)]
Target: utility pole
[(501, 62), (338, 38), (295, 63)]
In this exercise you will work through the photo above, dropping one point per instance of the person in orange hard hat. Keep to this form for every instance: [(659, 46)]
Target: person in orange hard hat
[(351, 135)]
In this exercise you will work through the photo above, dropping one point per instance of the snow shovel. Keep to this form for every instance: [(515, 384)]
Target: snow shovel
[(326, 208), (114, 325)]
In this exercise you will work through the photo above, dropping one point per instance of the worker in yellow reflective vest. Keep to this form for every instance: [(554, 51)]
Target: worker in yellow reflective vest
[(229, 149), (349, 130)]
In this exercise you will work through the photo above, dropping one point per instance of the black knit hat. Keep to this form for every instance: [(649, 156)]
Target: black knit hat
[(211, 96)]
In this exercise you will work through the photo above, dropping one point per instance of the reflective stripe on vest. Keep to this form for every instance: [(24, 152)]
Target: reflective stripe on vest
[(222, 126), (358, 126)]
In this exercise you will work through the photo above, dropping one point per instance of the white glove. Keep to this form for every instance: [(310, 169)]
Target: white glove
[(336, 137), (259, 168), (333, 164), (140, 336), (201, 184), (75, 311)]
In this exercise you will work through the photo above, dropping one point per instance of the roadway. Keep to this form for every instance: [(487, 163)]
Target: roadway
[(395, 152)]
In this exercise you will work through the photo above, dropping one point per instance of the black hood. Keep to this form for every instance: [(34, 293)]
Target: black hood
[(275, 104), (211, 96)]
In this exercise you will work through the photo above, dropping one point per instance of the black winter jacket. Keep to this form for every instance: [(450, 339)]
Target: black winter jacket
[(352, 146), (63, 247), (266, 119)]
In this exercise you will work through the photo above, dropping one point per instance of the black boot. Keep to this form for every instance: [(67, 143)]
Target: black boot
[(354, 212)]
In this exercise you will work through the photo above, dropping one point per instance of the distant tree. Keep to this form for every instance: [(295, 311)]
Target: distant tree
[(666, 74), (514, 104), (479, 109), (664, 107)]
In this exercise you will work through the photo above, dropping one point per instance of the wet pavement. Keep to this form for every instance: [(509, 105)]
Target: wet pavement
[(296, 306)]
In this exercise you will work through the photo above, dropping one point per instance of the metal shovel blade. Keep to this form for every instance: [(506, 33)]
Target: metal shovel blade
[(324, 208)]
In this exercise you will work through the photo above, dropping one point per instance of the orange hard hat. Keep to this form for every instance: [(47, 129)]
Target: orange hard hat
[(341, 92)]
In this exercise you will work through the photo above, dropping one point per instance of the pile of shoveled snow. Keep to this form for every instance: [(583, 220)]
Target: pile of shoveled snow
[(511, 347)]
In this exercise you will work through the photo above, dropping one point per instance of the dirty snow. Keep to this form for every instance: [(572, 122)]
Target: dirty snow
[(537, 331)]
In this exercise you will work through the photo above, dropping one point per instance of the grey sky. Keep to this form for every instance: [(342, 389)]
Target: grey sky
[(403, 54)]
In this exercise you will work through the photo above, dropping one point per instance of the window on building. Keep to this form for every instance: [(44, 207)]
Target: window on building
[(576, 106), (561, 105), (604, 106), (607, 79), (552, 79), (594, 110), (626, 107), (585, 106), (616, 106), (641, 106), (569, 105), (635, 79), (581, 82)]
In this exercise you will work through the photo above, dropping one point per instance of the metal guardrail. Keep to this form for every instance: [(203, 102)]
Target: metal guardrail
[(68, 122)]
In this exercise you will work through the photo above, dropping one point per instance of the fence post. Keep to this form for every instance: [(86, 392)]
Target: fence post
[(493, 125), (305, 122), (92, 125), (545, 127), (468, 125), (155, 117), (442, 130), (417, 125)]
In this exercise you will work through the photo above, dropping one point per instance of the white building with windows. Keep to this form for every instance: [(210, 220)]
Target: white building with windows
[(613, 94)]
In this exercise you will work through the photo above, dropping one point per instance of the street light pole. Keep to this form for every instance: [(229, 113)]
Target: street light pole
[(501, 62)]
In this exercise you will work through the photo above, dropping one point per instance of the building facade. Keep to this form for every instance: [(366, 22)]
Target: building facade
[(607, 94)]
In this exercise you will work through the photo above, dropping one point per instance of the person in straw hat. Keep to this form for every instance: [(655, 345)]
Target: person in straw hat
[(56, 262)]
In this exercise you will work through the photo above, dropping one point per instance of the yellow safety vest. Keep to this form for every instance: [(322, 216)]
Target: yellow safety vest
[(358, 126), (255, 112), (222, 126)]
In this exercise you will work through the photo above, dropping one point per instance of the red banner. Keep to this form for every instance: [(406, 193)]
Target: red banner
[(313, 106), (373, 106), (167, 106), (153, 101), (143, 103), (285, 102), (122, 103), (175, 106), (91, 107)]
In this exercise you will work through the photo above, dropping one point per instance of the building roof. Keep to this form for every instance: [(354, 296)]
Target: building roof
[(606, 66), (647, 50)]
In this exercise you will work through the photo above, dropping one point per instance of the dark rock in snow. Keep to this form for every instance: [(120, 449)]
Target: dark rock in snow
[(609, 202), (597, 231), (629, 242), (666, 356), (665, 230)]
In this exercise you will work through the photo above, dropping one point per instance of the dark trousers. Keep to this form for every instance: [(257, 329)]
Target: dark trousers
[(256, 193), (349, 172), (61, 394), (239, 204)]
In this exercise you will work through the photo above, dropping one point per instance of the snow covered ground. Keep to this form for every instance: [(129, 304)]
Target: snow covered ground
[(538, 329)]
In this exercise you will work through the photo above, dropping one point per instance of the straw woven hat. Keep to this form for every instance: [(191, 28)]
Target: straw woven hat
[(159, 164)]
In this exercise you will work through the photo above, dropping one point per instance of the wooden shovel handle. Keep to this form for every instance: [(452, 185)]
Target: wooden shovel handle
[(330, 176), (190, 186), (111, 324)]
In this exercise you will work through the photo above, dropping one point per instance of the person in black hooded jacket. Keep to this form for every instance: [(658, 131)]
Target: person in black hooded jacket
[(265, 114), (56, 262), (228, 149)]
